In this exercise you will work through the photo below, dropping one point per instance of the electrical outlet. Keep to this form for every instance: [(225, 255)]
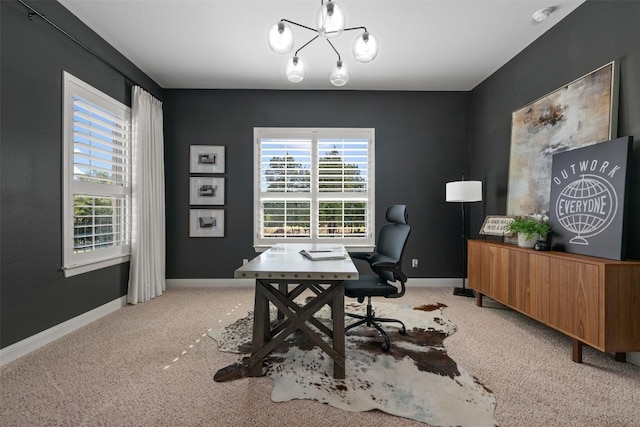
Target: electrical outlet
[(245, 261), (414, 262)]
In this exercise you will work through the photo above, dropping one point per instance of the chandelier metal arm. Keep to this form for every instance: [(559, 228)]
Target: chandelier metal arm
[(299, 25), (334, 49), (305, 45), (356, 28), (316, 31)]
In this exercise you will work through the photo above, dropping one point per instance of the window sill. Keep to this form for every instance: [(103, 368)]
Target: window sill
[(74, 270)]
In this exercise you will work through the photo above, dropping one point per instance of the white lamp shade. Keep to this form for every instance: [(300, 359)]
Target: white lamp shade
[(280, 37), (464, 191), (295, 70), (330, 20), (365, 47), (339, 75)]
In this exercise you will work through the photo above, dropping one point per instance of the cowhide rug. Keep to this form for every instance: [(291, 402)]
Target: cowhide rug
[(416, 379)]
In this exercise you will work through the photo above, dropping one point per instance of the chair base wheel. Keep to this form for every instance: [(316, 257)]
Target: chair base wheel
[(386, 347)]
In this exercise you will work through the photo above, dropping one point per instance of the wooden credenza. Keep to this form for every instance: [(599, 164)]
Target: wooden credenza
[(595, 301)]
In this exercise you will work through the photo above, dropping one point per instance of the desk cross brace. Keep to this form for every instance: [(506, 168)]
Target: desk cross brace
[(266, 339), (284, 305)]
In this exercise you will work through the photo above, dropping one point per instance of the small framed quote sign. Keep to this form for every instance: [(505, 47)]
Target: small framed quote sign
[(496, 225)]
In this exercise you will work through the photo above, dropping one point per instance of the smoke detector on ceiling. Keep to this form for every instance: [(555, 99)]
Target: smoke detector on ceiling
[(542, 14)]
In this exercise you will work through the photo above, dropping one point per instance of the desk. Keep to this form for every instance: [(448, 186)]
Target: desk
[(282, 274)]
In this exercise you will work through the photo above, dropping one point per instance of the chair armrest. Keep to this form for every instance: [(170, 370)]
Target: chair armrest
[(391, 267), (385, 265), (394, 269), (378, 259)]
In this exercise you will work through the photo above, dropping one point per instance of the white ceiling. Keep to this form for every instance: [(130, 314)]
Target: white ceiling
[(425, 45)]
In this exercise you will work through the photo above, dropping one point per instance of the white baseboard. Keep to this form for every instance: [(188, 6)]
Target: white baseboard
[(417, 282), (226, 283), (209, 283), (38, 340)]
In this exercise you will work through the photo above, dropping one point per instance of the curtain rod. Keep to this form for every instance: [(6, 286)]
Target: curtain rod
[(32, 12)]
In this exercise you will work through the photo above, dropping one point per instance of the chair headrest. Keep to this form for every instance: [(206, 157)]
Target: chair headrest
[(397, 214)]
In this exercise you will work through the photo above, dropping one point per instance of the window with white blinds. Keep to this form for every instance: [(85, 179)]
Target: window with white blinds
[(314, 185), (97, 178)]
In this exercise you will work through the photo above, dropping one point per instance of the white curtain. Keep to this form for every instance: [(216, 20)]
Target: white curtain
[(147, 271)]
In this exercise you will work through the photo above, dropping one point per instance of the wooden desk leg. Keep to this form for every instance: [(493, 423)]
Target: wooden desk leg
[(478, 299), (261, 331), (284, 290), (577, 351), (337, 313)]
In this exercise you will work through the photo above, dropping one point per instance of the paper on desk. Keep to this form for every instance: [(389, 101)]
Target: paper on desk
[(319, 255)]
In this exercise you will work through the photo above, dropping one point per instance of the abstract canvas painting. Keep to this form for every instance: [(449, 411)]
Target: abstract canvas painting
[(581, 113)]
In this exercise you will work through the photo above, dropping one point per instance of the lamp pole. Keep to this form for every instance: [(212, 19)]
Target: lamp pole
[(463, 192), (464, 291)]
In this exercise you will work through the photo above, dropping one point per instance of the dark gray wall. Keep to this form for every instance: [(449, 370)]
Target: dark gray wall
[(34, 295), (421, 143), (594, 34)]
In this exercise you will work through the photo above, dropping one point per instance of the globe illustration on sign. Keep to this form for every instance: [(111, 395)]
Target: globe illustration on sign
[(586, 207)]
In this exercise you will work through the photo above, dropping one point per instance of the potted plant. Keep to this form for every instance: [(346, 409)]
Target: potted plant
[(529, 229)]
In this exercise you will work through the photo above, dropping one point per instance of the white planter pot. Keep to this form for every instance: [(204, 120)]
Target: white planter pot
[(523, 242)]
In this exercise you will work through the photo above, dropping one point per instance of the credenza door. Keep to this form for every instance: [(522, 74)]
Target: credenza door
[(532, 285), (479, 267), (574, 299)]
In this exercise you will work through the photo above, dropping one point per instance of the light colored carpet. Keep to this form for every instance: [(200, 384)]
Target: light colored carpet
[(415, 379), (147, 365)]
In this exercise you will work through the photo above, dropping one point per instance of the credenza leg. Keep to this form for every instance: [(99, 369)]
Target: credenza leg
[(620, 357), (478, 299), (577, 351)]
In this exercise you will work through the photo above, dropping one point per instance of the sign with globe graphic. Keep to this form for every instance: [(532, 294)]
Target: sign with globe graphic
[(587, 199), (586, 207)]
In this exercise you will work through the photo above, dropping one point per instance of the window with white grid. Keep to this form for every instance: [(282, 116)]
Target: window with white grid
[(97, 178), (314, 185)]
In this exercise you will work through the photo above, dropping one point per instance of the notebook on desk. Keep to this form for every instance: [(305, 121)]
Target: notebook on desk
[(320, 254)]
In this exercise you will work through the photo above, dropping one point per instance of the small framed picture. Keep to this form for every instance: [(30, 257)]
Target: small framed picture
[(206, 223), (207, 159), (496, 225), (206, 190)]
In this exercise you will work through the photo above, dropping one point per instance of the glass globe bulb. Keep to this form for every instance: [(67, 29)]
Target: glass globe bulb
[(280, 37), (339, 76), (365, 47), (295, 70), (330, 20)]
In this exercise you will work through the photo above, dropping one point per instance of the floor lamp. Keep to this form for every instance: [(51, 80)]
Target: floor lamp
[(463, 192)]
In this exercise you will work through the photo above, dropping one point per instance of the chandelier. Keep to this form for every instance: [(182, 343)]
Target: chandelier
[(330, 23)]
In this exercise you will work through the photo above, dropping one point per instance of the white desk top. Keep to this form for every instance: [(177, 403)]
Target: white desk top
[(284, 262)]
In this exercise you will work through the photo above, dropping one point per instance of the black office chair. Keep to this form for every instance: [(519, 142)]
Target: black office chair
[(386, 262)]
